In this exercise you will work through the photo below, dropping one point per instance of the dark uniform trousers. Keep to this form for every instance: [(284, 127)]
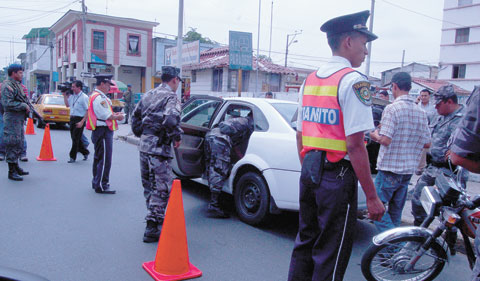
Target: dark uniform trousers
[(327, 217), (76, 135), (102, 139)]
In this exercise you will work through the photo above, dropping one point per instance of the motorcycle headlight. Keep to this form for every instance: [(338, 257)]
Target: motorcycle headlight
[(430, 198), (450, 217)]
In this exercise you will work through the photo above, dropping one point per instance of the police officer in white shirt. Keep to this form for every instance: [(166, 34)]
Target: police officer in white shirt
[(333, 154), (103, 121)]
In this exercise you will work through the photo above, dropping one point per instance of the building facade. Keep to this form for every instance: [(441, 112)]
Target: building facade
[(417, 70), (119, 46), (38, 61), (460, 43)]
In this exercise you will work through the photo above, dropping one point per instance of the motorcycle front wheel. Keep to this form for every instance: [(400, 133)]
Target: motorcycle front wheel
[(389, 261)]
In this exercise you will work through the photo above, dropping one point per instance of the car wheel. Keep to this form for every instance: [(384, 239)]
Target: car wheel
[(40, 124), (252, 198)]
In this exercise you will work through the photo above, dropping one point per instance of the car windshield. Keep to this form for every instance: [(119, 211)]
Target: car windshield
[(54, 100), (288, 112)]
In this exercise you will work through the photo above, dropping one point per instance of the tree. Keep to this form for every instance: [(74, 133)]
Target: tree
[(193, 35), (264, 57)]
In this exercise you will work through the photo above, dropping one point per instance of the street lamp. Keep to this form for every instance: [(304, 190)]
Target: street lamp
[(290, 43)]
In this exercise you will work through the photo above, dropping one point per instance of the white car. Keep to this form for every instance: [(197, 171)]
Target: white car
[(266, 179)]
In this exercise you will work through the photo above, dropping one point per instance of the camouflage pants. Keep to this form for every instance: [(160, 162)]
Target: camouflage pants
[(13, 135), (156, 172), (218, 166), (428, 179)]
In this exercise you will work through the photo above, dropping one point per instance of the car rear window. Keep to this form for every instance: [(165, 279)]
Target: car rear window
[(54, 101), (288, 111)]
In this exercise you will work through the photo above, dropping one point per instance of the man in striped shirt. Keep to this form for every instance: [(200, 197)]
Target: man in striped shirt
[(402, 135)]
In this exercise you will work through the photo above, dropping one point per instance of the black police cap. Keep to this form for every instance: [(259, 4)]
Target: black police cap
[(106, 78), (348, 23)]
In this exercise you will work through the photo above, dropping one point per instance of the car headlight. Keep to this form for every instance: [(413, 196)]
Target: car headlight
[(430, 198)]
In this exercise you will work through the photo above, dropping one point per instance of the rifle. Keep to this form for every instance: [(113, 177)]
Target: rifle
[(32, 109)]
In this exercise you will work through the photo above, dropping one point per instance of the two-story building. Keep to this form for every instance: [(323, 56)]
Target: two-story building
[(38, 60), (114, 45), (460, 43)]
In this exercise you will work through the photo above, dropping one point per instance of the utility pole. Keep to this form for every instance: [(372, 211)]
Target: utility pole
[(369, 46), (258, 43), (271, 25), (179, 44), (84, 28), (50, 45), (403, 59), (290, 43)]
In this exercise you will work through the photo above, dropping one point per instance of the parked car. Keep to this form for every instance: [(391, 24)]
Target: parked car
[(266, 180), (52, 109)]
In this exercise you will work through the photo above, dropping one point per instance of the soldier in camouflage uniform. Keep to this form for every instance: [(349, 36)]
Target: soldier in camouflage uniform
[(443, 125), (15, 112), (128, 97), (159, 114), (223, 145), (465, 151)]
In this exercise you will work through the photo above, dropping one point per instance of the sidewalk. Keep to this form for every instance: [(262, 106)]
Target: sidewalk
[(124, 133)]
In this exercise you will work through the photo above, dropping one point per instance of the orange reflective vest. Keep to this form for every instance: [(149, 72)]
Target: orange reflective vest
[(92, 118), (322, 117)]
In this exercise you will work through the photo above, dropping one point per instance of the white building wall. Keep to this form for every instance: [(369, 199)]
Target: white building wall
[(203, 84), (123, 48), (461, 53), (41, 60), (109, 39)]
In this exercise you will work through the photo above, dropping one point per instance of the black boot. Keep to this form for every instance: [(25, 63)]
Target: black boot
[(214, 209), (20, 171), (152, 232), (12, 173)]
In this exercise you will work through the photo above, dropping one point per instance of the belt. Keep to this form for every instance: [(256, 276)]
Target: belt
[(332, 165), (442, 165)]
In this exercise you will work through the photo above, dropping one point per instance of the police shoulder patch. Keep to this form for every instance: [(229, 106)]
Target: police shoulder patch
[(362, 91), (104, 104)]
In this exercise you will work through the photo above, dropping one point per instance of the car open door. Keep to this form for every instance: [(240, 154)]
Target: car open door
[(197, 116)]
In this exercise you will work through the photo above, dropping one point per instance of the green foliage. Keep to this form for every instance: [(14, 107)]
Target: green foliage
[(193, 35), (264, 57)]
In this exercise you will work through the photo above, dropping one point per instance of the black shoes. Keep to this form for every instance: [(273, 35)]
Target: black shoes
[(2, 157), (20, 171), (152, 232), (214, 210), (105, 191), (24, 159), (71, 160), (12, 172), (85, 157)]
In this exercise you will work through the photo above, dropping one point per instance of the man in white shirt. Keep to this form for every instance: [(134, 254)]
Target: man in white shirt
[(334, 112), (78, 103)]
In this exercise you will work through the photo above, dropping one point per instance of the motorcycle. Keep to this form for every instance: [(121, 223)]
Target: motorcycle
[(418, 253)]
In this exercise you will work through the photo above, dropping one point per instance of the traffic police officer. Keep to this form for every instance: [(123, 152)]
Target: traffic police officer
[(334, 112), (223, 145), (158, 114), (15, 112), (102, 121), (442, 127)]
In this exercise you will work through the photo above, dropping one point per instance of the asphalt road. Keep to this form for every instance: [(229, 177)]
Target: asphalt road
[(54, 225)]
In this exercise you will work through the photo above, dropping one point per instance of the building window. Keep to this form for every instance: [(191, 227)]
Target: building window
[(73, 41), (217, 80), (99, 40), (194, 76), (233, 80), (60, 48), (134, 45), (66, 45), (271, 82), (464, 3), (461, 35), (459, 71)]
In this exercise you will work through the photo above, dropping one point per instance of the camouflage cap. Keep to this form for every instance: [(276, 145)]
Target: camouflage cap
[(444, 93), (172, 71)]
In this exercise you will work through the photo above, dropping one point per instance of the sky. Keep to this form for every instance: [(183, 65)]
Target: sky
[(410, 25)]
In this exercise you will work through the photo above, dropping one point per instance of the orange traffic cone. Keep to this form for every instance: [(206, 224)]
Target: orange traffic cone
[(30, 130), (171, 261), (46, 153)]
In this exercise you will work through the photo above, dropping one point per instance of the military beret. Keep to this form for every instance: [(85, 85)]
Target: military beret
[(443, 93), (348, 23), (106, 78)]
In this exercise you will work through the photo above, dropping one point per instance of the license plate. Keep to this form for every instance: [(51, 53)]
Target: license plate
[(63, 112)]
